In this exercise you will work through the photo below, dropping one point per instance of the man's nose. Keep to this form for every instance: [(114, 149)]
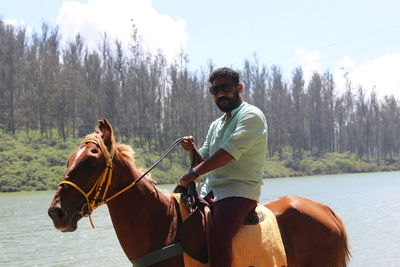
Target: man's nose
[(220, 93)]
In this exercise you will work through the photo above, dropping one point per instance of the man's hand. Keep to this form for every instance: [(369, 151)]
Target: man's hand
[(186, 179), (188, 143)]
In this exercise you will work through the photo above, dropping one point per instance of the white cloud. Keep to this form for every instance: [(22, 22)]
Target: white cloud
[(380, 74), (14, 22), (18, 24), (309, 61), (346, 62), (115, 17)]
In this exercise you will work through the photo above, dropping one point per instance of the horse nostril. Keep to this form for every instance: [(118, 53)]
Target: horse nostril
[(56, 213), (94, 151)]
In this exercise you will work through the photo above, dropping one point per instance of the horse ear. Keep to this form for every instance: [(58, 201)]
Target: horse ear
[(106, 132)]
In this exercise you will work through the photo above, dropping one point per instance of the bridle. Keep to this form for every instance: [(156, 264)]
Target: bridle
[(105, 178)]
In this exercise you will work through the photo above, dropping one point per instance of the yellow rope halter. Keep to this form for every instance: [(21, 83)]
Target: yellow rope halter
[(104, 179)]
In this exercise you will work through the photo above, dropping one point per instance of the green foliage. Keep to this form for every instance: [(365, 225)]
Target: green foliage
[(32, 163), (328, 163), (274, 169), (36, 163), (39, 164)]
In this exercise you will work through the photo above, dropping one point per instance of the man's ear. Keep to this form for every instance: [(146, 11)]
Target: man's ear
[(239, 87), (106, 132)]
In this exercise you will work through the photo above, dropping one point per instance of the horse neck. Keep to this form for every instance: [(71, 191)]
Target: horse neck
[(144, 218)]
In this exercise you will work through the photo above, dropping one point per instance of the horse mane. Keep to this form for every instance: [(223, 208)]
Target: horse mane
[(125, 152)]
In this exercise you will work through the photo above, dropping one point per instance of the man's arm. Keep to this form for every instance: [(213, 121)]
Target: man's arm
[(217, 160), (194, 154), (195, 157)]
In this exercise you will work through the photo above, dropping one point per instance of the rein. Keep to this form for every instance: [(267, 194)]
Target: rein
[(106, 178)]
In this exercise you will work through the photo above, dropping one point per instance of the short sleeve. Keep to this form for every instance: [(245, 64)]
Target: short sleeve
[(248, 129)]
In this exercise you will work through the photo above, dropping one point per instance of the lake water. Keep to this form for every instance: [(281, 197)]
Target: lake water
[(369, 204)]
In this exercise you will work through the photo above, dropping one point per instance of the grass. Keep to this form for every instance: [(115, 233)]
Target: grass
[(34, 163)]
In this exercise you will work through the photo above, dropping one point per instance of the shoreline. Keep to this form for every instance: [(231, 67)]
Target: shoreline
[(268, 178)]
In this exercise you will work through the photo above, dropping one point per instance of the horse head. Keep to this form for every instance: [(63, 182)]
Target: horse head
[(80, 190)]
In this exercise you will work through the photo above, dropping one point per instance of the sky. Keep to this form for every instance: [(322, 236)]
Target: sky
[(350, 38)]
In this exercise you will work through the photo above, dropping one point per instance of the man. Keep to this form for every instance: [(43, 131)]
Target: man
[(233, 156)]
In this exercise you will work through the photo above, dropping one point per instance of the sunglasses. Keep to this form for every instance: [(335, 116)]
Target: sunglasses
[(225, 88)]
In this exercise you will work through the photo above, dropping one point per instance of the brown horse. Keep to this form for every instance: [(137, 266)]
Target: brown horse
[(146, 218)]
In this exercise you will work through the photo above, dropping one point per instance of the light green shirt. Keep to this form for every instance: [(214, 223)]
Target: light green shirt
[(244, 136)]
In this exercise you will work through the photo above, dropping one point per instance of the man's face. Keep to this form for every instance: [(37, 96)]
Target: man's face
[(226, 94)]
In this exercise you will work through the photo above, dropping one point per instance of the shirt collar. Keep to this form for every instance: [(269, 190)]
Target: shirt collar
[(235, 111)]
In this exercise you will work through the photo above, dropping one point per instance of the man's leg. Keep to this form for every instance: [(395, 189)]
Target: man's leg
[(229, 215)]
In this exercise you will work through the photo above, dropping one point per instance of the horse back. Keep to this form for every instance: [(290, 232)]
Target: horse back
[(312, 234)]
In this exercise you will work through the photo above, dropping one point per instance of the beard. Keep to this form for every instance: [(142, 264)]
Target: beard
[(227, 104)]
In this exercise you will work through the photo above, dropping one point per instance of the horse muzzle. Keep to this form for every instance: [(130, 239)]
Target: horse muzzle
[(63, 220)]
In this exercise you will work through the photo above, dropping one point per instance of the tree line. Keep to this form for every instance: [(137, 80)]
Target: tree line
[(61, 91)]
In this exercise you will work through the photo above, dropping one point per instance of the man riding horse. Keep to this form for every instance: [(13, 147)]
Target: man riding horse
[(233, 157)]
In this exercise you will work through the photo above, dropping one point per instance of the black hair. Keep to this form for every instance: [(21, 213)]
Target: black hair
[(224, 73)]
